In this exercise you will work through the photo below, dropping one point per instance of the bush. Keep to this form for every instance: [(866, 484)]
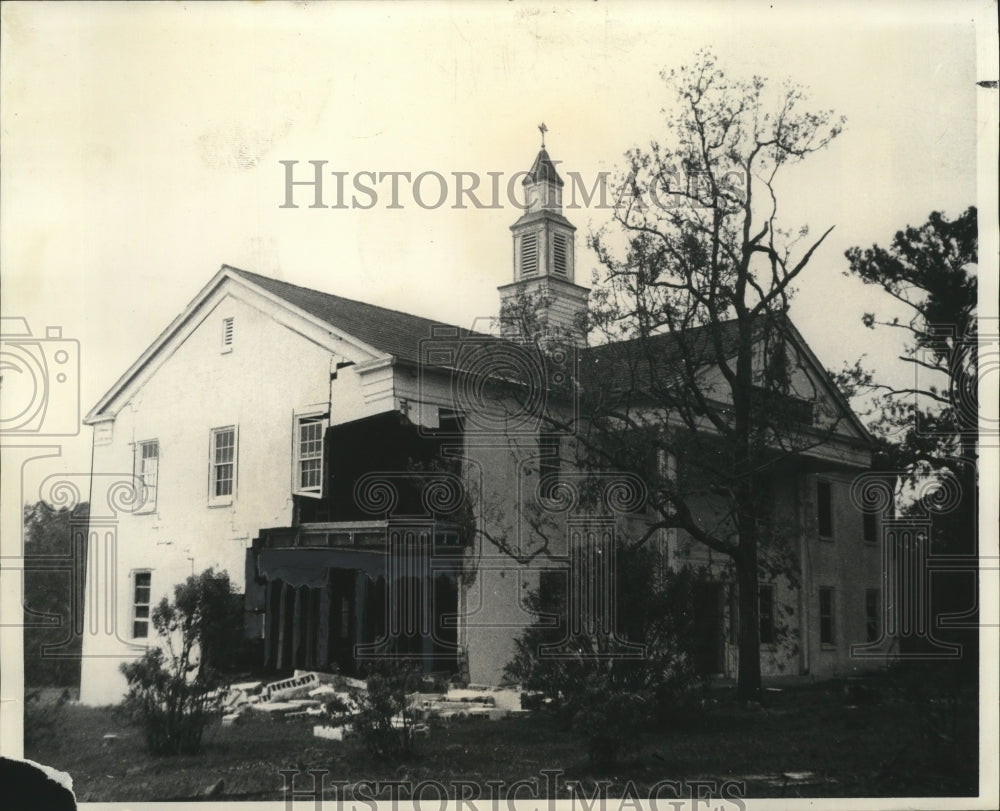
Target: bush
[(381, 715), (606, 697), (173, 689), (47, 590), (42, 719)]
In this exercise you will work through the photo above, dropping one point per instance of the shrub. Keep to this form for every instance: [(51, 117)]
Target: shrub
[(604, 696), (42, 719), (381, 715), (173, 688)]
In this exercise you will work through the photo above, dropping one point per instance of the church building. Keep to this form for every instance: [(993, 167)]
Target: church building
[(368, 479)]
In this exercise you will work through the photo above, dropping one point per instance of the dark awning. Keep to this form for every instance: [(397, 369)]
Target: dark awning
[(309, 567)]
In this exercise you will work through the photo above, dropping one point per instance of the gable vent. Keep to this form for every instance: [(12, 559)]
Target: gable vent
[(228, 328)]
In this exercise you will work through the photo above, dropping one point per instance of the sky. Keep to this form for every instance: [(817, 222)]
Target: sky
[(142, 147)]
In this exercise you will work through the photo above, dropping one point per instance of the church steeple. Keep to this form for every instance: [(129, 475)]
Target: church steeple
[(544, 257)]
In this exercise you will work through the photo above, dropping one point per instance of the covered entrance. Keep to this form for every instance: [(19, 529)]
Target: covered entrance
[(344, 606)]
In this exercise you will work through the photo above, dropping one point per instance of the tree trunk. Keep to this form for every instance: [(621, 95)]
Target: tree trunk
[(748, 679), (747, 497)]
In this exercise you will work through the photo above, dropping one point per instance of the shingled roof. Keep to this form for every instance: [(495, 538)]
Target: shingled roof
[(625, 364), (395, 333), (635, 365), (642, 364)]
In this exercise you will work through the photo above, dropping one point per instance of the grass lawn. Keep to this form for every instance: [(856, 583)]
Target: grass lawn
[(896, 747)]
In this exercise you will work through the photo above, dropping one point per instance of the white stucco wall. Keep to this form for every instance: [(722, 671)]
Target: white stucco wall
[(271, 372)]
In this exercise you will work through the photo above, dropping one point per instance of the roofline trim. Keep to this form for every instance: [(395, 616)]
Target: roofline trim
[(224, 274)]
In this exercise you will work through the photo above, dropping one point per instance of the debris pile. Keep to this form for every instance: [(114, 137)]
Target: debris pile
[(460, 704), (307, 694)]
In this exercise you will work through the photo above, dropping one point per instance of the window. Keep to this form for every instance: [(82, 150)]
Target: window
[(529, 254), (873, 615), (308, 472), (826, 625), (560, 254), (147, 470), (824, 510), (869, 527), (223, 473), (548, 464), (228, 327), (765, 603), (140, 604)]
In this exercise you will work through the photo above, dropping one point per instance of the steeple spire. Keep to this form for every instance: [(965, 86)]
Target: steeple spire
[(544, 256)]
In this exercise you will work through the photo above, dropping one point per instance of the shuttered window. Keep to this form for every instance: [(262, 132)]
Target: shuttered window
[(560, 258), (529, 254)]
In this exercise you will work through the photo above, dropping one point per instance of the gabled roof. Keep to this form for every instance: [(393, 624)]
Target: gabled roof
[(625, 365), (639, 363), (395, 333), (375, 330), (644, 364)]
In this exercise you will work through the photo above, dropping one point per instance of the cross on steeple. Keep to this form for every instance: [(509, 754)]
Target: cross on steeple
[(543, 129)]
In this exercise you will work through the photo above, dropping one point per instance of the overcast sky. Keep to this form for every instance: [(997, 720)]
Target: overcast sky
[(141, 146)]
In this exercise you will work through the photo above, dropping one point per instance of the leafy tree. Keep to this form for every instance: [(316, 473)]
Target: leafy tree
[(173, 688), (931, 270), (51, 568), (928, 430), (698, 387)]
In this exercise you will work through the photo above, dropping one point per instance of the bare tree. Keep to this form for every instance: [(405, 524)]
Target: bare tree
[(700, 381)]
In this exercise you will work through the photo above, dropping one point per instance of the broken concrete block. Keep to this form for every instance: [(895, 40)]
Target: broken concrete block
[(274, 707), (349, 704), (295, 687), (231, 719), (241, 693), (234, 700), (248, 687), (501, 697), (324, 691), (328, 732), (346, 682), (109, 740), (213, 696)]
